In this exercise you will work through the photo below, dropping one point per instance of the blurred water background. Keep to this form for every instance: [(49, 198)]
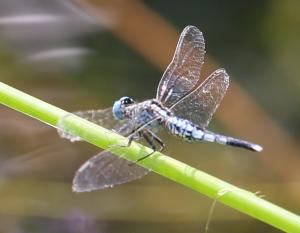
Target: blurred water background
[(81, 55)]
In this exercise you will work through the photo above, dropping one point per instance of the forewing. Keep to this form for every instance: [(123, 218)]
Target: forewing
[(105, 170), (102, 117), (200, 105), (184, 70)]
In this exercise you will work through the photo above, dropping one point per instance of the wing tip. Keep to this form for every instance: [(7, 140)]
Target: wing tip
[(76, 189), (87, 187), (222, 71), (79, 189), (191, 28)]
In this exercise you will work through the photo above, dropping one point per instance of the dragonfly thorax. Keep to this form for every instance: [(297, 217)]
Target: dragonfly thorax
[(150, 111)]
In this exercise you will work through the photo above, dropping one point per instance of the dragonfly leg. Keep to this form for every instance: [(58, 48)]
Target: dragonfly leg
[(150, 137), (157, 139), (152, 145), (149, 140), (132, 137)]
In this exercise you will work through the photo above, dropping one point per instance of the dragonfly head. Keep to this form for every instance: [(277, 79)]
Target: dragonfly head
[(119, 107)]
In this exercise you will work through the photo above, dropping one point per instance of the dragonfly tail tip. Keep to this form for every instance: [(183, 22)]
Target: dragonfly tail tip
[(257, 148)]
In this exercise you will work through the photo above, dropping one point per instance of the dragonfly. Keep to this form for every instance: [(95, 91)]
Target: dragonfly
[(183, 106)]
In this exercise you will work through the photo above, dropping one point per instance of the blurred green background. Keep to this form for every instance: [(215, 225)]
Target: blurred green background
[(83, 55)]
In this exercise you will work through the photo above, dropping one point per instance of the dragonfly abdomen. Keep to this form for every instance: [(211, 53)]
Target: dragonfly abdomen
[(184, 128), (191, 132)]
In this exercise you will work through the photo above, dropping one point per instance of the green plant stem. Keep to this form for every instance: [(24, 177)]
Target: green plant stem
[(177, 171)]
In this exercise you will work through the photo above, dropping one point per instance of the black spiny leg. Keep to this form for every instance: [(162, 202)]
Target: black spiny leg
[(132, 137), (150, 137), (149, 140), (151, 144), (157, 139)]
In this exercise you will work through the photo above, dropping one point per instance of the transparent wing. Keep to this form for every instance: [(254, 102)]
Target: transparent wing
[(200, 105), (103, 117), (105, 170), (184, 70)]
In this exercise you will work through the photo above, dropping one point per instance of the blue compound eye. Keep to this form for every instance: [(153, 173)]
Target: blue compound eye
[(119, 105)]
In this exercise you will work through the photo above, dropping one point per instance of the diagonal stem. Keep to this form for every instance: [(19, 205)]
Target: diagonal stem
[(175, 170)]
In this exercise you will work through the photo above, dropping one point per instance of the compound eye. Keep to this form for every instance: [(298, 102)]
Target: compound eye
[(127, 101)]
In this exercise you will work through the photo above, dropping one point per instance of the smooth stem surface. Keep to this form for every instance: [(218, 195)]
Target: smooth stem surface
[(177, 171)]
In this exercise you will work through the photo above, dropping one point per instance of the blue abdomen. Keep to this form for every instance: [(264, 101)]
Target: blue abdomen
[(182, 128)]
